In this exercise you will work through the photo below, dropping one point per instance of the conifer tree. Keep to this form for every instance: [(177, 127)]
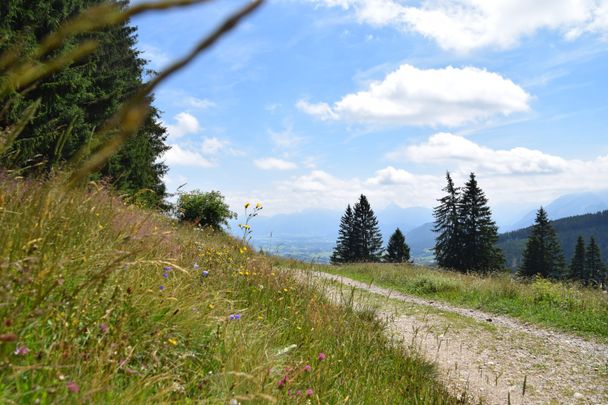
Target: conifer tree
[(594, 268), (577, 266), (397, 251), (543, 254), (448, 248), (344, 250), (367, 240), (479, 252)]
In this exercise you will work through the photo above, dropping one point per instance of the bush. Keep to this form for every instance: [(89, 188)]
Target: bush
[(204, 209)]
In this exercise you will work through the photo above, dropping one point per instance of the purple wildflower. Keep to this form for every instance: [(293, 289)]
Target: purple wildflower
[(235, 317), (104, 328), (162, 287), (166, 275), (282, 382), (205, 273), (321, 356), (307, 368), (309, 392), (73, 387), (167, 268), (21, 351), (196, 266), (299, 392)]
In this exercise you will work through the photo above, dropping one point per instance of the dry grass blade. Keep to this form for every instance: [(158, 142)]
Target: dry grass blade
[(130, 117), (12, 133)]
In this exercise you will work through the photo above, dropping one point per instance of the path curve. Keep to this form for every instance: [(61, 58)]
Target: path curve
[(490, 357)]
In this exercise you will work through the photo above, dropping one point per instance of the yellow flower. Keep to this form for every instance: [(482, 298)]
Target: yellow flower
[(260, 317), (247, 205), (258, 206), (211, 306), (172, 341)]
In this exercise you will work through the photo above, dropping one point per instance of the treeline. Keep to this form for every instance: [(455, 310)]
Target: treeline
[(76, 100), (360, 240)]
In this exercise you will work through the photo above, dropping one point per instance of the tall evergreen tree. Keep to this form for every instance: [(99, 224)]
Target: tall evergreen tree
[(80, 98), (577, 266), (344, 251), (479, 232), (367, 240), (397, 251), (594, 268), (543, 254), (448, 248)]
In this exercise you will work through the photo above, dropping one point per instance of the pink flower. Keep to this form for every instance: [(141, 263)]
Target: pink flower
[(73, 387), (104, 328), (282, 382), (321, 356), (307, 368), (21, 351), (309, 392)]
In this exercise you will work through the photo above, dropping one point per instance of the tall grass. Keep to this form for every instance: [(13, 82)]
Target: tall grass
[(106, 303), (566, 306)]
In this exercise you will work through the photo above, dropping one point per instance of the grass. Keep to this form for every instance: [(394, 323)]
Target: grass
[(106, 303), (564, 306)]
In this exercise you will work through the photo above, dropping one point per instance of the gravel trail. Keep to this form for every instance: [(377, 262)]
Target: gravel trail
[(490, 358)]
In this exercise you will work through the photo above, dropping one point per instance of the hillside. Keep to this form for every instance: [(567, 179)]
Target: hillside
[(567, 229)]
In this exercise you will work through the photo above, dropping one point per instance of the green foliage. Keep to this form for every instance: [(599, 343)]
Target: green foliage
[(595, 272), (467, 235), (80, 98), (80, 277), (577, 265), (359, 238), (205, 209), (397, 251), (543, 255)]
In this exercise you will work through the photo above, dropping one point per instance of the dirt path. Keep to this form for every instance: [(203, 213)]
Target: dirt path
[(495, 359)]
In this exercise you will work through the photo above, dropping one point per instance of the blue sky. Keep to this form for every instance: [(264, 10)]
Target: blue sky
[(309, 103)]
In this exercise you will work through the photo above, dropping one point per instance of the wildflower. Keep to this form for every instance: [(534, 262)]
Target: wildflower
[(21, 351), (235, 317), (172, 341), (247, 205), (211, 306), (166, 275), (282, 382), (205, 273), (321, 356), (309, 392), (73, 387), (104, 328), (258, 206), (299, 392), (162, 288), (196, 266), (167, 268), (308, 368)]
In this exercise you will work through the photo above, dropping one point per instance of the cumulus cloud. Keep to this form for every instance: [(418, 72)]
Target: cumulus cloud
[(465, 25), (212, 146), (185, 124), (446, 148), (274, 164), (411, 96), (181, 156)]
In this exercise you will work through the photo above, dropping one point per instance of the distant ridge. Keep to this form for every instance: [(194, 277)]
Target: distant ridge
[(568, 229)]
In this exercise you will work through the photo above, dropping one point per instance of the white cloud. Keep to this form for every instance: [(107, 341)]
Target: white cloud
[(411, 96), (392, 176), (465, 25), (180, 156), (155, 56), (274, 164), (198, 103), (212, 146), (446, 148), (185, 124), (285, 139)]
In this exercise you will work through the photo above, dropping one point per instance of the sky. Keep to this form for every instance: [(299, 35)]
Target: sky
[(309, 103)]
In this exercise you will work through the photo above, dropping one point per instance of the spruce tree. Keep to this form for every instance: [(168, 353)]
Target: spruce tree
[(543, 254), (448, 248), (397, 251), (344, 250), (367, 240), (594, 268), (577, 266), (479, 252)]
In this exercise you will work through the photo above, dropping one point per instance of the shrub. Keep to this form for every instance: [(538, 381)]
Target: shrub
[(205, 209)]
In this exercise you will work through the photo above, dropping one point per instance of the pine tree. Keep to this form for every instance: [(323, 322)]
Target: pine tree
[(594, 268), (543, 254), (344, 250), (367, 240), (397, 251), (479, 232), (448, 249), (577, 266)]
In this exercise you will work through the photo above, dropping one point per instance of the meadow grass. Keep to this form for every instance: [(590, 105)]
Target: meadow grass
[(565, 306), (102, 302)]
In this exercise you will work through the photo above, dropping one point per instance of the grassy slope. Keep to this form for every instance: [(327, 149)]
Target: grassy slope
[(567, 307), (81, 298)]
